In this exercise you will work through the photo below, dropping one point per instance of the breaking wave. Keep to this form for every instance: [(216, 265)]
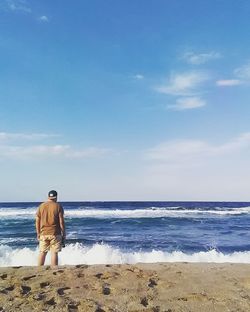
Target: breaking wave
[(77, 253), (153, 212)]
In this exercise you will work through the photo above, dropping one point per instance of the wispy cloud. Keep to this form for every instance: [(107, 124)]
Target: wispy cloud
[(18, 6), (27, 148), (228, 82), (138, 76), (174, 151), (200, 58), (21, 6), (185, 151), (88, 152), (43, 19), (25, 136), (183, 84), (188, 87), (187, 103), (50, 151), (243, 72), (242, 76), (31, 151), (198, 169)]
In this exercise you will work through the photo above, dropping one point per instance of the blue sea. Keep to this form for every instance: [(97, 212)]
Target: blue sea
[(131, 232)]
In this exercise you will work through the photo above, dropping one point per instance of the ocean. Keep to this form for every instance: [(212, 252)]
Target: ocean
[(131, 232)]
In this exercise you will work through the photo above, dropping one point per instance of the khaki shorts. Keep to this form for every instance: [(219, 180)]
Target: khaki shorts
[(50, 242)]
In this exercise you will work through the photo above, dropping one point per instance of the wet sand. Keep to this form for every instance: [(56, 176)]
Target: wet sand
[(159, 287)]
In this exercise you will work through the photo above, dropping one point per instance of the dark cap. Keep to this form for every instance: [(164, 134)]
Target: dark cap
[(52, 194)]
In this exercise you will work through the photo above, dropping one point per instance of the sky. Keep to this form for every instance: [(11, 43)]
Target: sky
[(125, 100)]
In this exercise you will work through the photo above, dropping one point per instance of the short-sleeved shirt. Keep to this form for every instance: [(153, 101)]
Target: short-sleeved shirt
[(48, 213)]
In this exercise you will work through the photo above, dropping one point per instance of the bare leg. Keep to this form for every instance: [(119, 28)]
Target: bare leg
[(41, 258), (54, 258)]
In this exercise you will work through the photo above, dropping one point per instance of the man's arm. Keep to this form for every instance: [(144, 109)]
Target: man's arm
[(38, 227), (62, 225)]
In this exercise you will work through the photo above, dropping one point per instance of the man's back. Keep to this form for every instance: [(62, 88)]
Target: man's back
[(50, 228), (49, 212)]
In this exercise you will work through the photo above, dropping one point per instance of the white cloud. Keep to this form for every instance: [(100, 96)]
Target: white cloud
[(200, 58), (87, 152), (138, 76), (18, 5), (199, 170), (228, 82), (25, 136), (173, 151), (243, 72), (20, 152), (186, 151), (183, 84), (44, 19), (48, 151), (187, 103), (242, 75), (25, 148)]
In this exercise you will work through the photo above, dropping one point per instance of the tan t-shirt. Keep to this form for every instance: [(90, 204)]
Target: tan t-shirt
[(48, 213)]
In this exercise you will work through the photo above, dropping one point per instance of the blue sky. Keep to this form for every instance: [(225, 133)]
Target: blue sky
[(125, 100)]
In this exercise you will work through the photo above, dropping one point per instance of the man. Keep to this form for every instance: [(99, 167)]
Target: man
[(50, 228)]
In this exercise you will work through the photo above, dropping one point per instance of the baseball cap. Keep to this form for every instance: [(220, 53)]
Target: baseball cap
[(52, 194)]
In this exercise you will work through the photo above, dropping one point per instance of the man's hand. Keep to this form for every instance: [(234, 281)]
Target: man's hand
[(63, 241), (38, 229)]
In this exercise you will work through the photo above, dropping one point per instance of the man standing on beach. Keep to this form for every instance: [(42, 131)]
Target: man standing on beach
[(50, 228)]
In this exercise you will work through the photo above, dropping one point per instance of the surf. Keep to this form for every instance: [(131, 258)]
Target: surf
[(152, 212), (77, 253)]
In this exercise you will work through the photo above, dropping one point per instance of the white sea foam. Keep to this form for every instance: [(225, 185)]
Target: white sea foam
[(153, 212), (105, 254), (9, 240)]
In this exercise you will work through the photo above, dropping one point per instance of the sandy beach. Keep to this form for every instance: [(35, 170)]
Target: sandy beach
[(159, 287)]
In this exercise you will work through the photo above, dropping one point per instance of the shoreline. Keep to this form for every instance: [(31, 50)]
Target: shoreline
[(155, 287)]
